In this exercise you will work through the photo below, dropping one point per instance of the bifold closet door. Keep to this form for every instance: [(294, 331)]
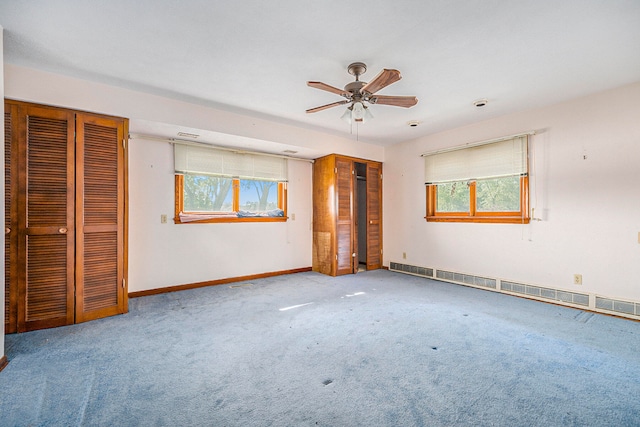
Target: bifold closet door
[(100, 205), (344, 216), (10, 220), (44, 210), (65, 216), (374, 216)]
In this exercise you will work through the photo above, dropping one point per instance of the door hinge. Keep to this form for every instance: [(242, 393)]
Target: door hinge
[(380, 176), (353, 172), (336, 257), (124, 283), (335, 170), (124, 143)]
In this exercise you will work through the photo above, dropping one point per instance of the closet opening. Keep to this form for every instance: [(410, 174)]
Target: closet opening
[(361, 215)]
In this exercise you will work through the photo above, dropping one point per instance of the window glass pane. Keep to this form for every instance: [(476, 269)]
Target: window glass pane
[(207, 194), (258, 196), (453, 197), (498, 194)]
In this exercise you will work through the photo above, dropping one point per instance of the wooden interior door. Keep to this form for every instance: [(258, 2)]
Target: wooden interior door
[(45, 217), (374, 216), (100, 217), (10, 221), (344, 216)]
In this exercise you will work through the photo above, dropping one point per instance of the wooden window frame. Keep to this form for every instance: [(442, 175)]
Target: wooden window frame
[(516, 217), (227, 216)]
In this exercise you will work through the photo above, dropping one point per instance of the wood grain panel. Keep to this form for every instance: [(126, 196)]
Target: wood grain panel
[(101, 174), (46, 171), (47, 279), (100, 270)]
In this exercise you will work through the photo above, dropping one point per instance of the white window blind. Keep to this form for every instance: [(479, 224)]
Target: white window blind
[(193, 159), (491, 160)]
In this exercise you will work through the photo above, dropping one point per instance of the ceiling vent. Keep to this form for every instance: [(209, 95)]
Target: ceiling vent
[(480, 102), (188, 135)]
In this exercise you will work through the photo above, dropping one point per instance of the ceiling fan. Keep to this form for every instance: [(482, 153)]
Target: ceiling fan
[(358, 92)]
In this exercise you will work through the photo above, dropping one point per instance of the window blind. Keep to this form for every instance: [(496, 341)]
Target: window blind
[(491, 160), (191, 159)]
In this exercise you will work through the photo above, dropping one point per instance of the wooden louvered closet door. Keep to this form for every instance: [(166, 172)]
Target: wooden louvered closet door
[(344, 215), (65, 238), (99, 218), (374, 213), (45, 201), (10, 222)]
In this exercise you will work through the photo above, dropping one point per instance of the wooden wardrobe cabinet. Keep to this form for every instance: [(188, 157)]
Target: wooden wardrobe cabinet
[(347, 215), (65, 217)]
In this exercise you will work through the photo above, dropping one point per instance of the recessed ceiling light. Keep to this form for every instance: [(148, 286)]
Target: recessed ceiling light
[(413, 123), (188, 135), (480, 102)]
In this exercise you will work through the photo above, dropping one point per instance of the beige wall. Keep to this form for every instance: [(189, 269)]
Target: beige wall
[(588, 208)]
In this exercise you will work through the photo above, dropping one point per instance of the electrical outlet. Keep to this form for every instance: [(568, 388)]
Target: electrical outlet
[(163, 219), (404, 255), (577, 279)]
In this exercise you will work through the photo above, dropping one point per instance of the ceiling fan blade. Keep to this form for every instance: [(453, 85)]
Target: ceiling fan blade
[(328, 88), (396, 101), (384, 79), (324, 107)]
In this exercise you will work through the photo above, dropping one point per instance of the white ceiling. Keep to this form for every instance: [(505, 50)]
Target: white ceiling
[(255, 56)]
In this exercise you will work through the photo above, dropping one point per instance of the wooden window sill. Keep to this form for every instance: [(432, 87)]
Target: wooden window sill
[(482, 219), (223, 219)]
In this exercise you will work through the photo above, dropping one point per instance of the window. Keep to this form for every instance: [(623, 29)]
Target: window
[(214, 185), (481, 183)]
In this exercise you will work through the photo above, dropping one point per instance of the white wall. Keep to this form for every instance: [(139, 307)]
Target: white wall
[(171, 254), (589, 208), (167, 254)]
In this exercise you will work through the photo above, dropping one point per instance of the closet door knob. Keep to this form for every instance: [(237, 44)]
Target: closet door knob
[(7, 230), (62, 230)]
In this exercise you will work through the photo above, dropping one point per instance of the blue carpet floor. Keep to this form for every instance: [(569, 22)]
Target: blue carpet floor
[(373, 349)]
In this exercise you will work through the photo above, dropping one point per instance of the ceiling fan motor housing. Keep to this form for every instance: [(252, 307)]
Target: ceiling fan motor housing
[(357, 69), (354, 88)]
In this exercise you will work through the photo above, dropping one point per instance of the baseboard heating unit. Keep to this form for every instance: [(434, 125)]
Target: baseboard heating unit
[(603, 304)]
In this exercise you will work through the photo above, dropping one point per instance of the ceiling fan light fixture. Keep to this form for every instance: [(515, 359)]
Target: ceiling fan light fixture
[(347, 115), (367, 114), (357, 114)]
